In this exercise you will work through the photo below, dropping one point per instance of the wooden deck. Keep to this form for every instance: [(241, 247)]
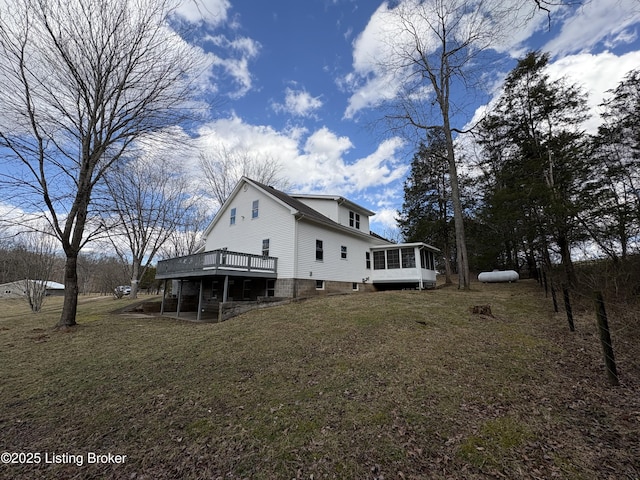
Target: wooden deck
[(218, 262)]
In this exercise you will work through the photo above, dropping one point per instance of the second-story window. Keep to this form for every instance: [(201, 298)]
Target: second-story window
[(232, 218), (265, 247), (254, 209), (354, 220)]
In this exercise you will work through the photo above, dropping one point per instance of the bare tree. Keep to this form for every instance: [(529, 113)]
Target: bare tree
[(434, 48), (187, 238), (223, 169), (36, 252), (101, 273), (149, 201), (80, 83)]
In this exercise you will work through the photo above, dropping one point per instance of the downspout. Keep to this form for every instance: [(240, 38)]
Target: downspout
[(295, 254)]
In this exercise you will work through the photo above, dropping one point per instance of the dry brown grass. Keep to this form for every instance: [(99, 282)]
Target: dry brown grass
[(386, 385)]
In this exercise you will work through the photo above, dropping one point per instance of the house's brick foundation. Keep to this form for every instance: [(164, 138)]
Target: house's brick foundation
[(300, 288), (285, 287)]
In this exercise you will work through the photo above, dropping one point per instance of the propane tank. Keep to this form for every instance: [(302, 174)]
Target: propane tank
[(499, 276)]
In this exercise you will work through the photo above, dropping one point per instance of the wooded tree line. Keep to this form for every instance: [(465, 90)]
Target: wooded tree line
[(21, 259), (540, 186)]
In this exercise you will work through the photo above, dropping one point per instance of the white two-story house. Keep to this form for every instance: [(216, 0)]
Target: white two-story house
[(266, 243)]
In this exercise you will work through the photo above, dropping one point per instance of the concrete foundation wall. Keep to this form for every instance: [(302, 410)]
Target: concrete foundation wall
[(301, 288)]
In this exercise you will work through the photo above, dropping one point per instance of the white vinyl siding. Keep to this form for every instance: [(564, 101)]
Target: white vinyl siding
[(400, 265), (359, 219), (332, 267), (326, 206), (274, 222)]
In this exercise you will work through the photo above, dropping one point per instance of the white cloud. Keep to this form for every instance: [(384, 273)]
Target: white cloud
[(594, 22), (381, 167), (380, 53), (372, 92), (386, 217), (584, 69), (213, 12), (312, 161), (587, 70), (298, 103), (227, 55), (238, 52)]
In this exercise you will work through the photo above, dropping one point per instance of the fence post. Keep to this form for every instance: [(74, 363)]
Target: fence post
[(567, 307), (605, 340), (553, 296)]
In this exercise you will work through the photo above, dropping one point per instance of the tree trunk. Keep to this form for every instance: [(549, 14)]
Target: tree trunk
[(447, 264), (567, 263), (464, 281), (135, 271), (70, 305)]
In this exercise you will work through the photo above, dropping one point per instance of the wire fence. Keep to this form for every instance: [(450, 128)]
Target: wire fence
[(606, 304)]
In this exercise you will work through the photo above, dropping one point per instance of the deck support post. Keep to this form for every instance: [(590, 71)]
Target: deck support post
[(225, 292), (164, 294), (179, 298), (200, 301)]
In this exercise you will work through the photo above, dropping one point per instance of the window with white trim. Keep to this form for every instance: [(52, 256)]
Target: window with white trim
[(393, 258), (265, 247), (232, 217), (408, 258), (354, 220), (254, 209), (319, 250), (378, 260), (343, 252)]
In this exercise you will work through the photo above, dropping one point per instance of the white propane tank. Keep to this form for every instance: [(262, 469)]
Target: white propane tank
[(499, 276)]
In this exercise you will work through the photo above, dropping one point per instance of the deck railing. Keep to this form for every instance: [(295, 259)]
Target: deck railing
[(214, 260)]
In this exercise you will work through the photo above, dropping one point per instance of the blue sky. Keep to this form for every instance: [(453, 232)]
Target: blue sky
[(298, 81)]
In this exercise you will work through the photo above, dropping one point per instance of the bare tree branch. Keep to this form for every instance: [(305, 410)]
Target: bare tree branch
[(80, 83)]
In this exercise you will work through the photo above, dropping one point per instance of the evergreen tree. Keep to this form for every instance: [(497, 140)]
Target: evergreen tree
[(537, 159), (614, 190), (426, 214)]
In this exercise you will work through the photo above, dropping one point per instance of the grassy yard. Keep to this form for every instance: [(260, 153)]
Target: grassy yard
[(386, 385)]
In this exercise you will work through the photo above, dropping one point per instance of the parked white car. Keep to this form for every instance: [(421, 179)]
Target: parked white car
[(123, 289)]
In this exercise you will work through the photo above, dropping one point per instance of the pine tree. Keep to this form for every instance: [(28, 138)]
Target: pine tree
[(426, 214), (537, 159)]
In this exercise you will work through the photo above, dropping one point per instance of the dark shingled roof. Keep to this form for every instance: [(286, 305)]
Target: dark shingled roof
[(301, 207), (306, 211)]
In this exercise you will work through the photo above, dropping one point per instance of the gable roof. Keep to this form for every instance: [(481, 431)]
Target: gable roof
[(298, 208), (338, 199), (302, 208)]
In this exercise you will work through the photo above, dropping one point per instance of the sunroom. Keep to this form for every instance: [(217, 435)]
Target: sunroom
[(406, 265)]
